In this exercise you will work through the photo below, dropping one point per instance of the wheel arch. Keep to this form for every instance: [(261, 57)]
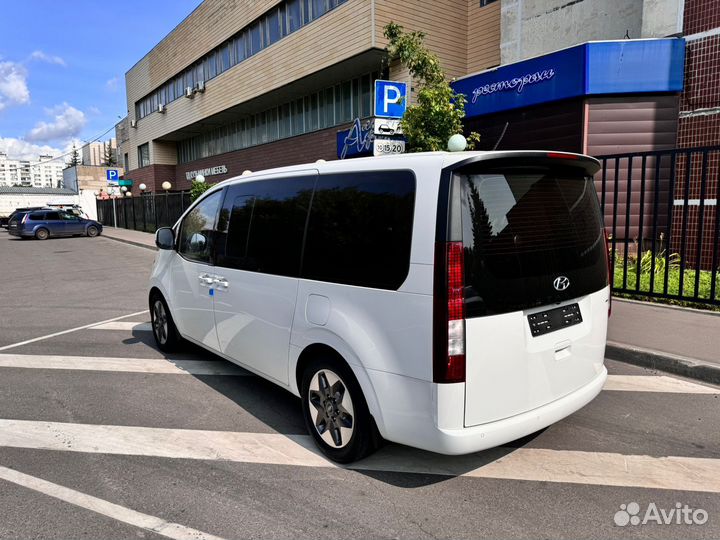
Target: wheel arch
[(318, 349)]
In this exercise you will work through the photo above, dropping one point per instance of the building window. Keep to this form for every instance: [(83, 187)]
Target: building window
[(144, 155), (484, 3), (286, 18), (329, 107)]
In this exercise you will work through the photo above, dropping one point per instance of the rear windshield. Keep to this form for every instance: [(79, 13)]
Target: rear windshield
[(521, 230)]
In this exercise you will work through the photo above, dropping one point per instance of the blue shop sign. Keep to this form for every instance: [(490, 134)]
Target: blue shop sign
[(356, 141), (596, 68)]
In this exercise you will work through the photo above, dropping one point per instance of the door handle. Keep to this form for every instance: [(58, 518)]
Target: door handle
[(206, 279), (221, 282)]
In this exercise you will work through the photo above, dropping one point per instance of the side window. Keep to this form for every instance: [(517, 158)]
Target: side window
[(197, 230), (68, 217), (52, 216), (262, 223), (360, 229), (37, 217)]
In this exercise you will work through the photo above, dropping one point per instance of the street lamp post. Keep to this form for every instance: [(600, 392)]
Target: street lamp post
[(143, 187), (166, 186)]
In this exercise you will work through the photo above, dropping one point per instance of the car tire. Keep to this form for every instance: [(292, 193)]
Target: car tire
[(92, 231), (335, 411), (42, 234), (164, 330)]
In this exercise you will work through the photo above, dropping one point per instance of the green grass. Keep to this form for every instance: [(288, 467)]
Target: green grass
[(688, 289)]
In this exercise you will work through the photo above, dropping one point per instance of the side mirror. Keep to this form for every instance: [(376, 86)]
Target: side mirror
[(165, 238)]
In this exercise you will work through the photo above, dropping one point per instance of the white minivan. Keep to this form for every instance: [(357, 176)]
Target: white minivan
[(448, 301)]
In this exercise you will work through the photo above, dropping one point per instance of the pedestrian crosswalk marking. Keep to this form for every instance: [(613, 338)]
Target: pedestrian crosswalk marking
[(105, 508), (532, 464), (622, 383), (656, 383), (129, 365), (124, 325)]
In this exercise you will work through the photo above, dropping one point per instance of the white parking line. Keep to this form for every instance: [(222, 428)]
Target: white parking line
[(55, 334), (656, 383), (564, 466), (106, 508), (129, 365), (123, 325)]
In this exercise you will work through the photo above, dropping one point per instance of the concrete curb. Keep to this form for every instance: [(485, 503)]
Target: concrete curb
[(671, 363), (131, 242)]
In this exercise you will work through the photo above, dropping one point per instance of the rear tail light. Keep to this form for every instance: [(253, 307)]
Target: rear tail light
[(449, 314), (24, 219), (610, 273)]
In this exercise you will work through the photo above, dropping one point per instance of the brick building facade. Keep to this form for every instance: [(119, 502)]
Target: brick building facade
[(699, 126)]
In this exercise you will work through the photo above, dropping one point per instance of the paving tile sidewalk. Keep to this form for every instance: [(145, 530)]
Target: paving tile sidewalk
[(668, 338)]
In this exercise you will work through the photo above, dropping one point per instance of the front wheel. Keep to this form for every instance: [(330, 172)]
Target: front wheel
[(335, 412), (163, 327), (92, 231)]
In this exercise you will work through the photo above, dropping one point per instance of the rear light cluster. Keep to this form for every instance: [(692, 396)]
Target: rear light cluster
[(449, 316), (24, 219)]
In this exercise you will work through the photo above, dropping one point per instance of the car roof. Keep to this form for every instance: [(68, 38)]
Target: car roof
[(415, 160)]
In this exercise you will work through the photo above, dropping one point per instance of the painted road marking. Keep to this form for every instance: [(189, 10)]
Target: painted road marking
[(129, 365), (124, 325), (106, 508), (534, 464), (63, 332), (656, 383), (625, 383)]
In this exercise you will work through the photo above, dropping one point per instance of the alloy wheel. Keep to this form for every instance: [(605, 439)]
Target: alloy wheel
[(160, 322), (330, 399)]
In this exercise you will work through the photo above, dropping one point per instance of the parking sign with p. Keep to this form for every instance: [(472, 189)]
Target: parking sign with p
[(390, 99)]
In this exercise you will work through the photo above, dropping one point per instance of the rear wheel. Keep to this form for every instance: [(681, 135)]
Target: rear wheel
[(163, 327), (42, 234), (92, 231), (335, 411)]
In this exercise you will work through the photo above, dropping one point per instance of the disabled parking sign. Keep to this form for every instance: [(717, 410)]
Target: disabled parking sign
[(390, 99)]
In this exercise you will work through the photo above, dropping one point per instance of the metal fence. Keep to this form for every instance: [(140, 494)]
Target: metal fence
[(146, 212), (661, 215)]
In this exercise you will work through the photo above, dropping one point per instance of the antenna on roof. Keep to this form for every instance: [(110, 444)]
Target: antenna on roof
[(501, 136)]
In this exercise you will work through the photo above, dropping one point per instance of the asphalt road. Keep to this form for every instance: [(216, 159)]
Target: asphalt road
[(102, 436)]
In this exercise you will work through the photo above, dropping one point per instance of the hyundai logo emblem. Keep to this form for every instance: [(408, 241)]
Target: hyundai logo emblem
[(561, 283)]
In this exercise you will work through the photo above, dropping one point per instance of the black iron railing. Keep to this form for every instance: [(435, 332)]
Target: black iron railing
[(661, 214), (146, 212)]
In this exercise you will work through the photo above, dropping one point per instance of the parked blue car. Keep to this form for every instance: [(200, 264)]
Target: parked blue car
[(42, 224)]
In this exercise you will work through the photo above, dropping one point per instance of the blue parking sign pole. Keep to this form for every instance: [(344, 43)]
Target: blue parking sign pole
[(390, 99)]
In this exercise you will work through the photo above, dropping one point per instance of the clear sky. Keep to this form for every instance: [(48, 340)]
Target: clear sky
[(63, 65)]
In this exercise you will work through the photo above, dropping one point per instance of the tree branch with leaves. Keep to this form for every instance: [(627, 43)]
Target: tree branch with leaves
[(439, 111)]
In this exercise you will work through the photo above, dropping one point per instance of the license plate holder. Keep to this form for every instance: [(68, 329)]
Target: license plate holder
[(544, 322)]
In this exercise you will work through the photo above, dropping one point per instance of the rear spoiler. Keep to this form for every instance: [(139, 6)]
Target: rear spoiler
[(523, 158)]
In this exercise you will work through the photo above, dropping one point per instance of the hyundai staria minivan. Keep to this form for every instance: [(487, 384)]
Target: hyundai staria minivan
[(448, 301)]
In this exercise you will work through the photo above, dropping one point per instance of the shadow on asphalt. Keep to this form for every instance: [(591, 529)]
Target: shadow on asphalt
[(280, 410)]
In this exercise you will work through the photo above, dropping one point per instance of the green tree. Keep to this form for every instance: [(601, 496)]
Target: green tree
[(109, 155), (197, 189), (439, 111), (74, 158)]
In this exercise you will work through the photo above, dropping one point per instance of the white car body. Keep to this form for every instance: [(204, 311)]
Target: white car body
[(515, 383)]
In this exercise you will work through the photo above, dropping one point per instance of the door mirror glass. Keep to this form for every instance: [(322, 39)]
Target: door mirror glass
[(165, 238), (197, 244)]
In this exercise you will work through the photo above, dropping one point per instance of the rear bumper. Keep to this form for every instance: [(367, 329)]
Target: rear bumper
[(426, 435)]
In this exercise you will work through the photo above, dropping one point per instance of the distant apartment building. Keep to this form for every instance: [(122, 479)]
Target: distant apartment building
[(94, 152), (46, 172)]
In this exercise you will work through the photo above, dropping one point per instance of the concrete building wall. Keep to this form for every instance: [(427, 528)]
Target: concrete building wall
[(662, 18), (530, 28)]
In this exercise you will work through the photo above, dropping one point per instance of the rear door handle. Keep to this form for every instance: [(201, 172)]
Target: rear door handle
[(221, 282)]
